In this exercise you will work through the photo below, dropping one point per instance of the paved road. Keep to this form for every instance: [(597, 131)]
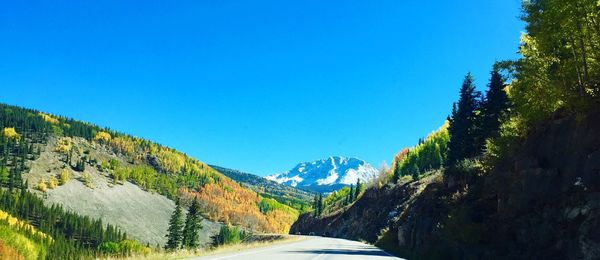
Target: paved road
[(314, 248)]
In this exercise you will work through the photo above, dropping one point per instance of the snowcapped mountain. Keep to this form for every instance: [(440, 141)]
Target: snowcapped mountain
[(326, 175)]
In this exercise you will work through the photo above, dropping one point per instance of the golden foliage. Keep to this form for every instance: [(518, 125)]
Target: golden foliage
[(399, 157), (63, 145), (11, 133), (14, 245), (230, 203), (221, 198), (124, 145), (42, 185), (52, 182), (48, 118), (12, 221), (102, 137), (170, 160), (65, 176), (7, 252), (87, 180)]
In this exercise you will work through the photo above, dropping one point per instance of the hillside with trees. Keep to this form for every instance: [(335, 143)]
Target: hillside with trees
[(32, 229), (47, 157), (517, 172), (294, 197)]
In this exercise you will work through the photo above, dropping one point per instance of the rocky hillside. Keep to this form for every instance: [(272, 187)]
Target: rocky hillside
[(143, 215), (125, 180), (543, 202), (365, 218), (326, 175)]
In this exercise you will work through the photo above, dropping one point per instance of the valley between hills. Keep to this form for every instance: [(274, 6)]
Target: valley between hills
[(513, 172)]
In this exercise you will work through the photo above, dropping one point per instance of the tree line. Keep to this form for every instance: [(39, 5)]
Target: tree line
[(474, 121), (558, 72), (336, 199)]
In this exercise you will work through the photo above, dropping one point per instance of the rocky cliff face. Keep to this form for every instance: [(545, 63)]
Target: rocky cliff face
[(366, 218), (541, 203), (358, 222)]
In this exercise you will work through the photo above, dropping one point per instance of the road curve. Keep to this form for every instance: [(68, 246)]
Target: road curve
[(314, 248)]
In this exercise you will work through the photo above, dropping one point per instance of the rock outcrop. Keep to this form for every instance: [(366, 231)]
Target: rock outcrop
[(542, 202)]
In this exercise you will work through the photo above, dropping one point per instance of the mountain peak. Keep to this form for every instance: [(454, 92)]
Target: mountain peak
[(326, 175)]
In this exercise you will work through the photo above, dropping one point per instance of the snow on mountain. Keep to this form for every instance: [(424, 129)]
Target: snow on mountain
[(326, 175)]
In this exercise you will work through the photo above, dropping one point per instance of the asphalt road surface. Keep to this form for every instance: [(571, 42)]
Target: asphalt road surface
[(314, 248)]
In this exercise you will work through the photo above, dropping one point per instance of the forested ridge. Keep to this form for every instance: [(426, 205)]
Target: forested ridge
[(288, 195), (513, 172), (153, 167), (67, 234)]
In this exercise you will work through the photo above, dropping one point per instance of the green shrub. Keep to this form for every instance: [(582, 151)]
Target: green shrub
[(466, 168), (229, 235), (110, 248), (506, 143)]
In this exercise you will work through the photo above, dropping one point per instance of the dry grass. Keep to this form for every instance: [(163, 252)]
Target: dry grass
[(278, 239)]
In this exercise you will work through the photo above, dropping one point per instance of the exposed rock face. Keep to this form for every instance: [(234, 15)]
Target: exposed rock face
[(543, 203), (365, 219), (143, 215), (362, 221)]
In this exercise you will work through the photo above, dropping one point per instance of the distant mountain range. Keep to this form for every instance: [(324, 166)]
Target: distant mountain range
[(288, 195), (326, 175)]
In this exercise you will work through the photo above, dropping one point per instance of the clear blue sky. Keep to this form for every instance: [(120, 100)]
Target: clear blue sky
[(255, 85)]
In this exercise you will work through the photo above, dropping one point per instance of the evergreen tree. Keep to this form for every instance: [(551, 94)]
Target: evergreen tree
[(351, 193), (320, 205), (175, 228), (192, 226), (12, 178), (495, 105), (358, 188), (316, 206), (463, 129), (4, 175), (415, 172)]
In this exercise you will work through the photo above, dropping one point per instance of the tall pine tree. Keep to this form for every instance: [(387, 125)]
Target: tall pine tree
[(320, 205), (316, 206), (175, 228), (495, 105), (358, 188), (463, 129), (192, 226)]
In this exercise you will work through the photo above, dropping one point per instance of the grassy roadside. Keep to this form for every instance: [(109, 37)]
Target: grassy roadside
[(257, 241)]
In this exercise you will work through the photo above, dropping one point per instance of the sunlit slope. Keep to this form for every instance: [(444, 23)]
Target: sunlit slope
[(87, 153)]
